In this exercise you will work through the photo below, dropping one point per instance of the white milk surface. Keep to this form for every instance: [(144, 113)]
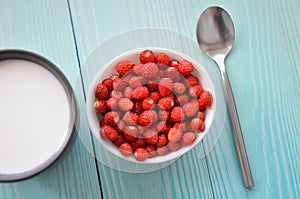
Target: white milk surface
[(34, 116)]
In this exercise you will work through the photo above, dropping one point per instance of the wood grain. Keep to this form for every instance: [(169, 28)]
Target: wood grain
[(45, 28)]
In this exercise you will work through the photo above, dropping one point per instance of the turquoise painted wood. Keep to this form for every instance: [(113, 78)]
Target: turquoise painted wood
[(45, 28), (263, 68)]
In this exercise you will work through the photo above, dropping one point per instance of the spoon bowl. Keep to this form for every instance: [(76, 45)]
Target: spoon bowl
[(215, 35)]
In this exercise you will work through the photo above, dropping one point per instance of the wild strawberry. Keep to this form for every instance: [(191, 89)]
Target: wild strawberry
[(161, 141), (148, 103), (205, 100), (201, 115), (138, 143), (101, 91), (174, 134), (188, 138), (195, 91), (174, 63), (138, 107), (152, 85), (151, 137), (192, 80), (162, 58), (130, 133), (100, 106), (179, 88), (155, 96), (108, 83), (109, 132), (136, 81), (128, 76), (151, 151), (119, 141), (128, 92), (125, 149), (190, 109), (111, 118), (141, 154), (173, 74), (137, 68), (146, 56), (112, 103), (185, 68), (123, 67), (182, 99), (166, 103), (197, 124), (180, 125), (162, 127), (162, 150), (125, 104), (149, 71), (116, 94), (147, 118), (163, 114), (119, 84), (165, 86), (177, 114), (131, 118), (140, 93), (174, 146)]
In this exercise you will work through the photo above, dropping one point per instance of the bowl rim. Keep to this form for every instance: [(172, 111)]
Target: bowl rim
[(108, 145)]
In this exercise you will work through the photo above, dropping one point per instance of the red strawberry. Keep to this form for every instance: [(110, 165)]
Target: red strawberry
[(130, 133), (190, 109), (195, 91), (123, 67), (162, 58), (141, 154), (174, 63), (128, 92), (119, 84), (138, 143), (149, 71), (125, 104), (101, 91), (165, 86), (147, 56), (151, 151), (166, 103), (205, 100), (138, 107), (126, 149), (137, 68), (111, 118), (174, 146), (148, 103), (108, 83), (185, 68), (201, 115), (151, 137), (116, 94), (162, 150), (147, 117), (188, 138), (162, 127), (155, 96), (140, 93), (136, 81), (162, 140), (197, 124), (174, 134), (131, 118), (173, 74), (112, 103), (119, 141), (179, 88), (109, 132), (192, 80), (177, 114), (100, 106)]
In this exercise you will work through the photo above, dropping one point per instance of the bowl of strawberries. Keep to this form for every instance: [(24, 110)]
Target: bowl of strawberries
[(151, 105)]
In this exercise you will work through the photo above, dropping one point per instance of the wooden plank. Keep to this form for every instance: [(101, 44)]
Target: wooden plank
[(45, 28), (187, 177), (265, 85)]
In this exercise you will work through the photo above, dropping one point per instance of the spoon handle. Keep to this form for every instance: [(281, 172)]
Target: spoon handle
[(237, 132)]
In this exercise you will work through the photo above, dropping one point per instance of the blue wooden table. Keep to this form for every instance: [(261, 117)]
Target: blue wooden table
[(263, 67)]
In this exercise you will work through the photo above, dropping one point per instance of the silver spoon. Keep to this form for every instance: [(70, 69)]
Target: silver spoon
[(215, 34)]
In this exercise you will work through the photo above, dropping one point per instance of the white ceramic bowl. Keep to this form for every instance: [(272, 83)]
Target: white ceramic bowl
[(133, 56)]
